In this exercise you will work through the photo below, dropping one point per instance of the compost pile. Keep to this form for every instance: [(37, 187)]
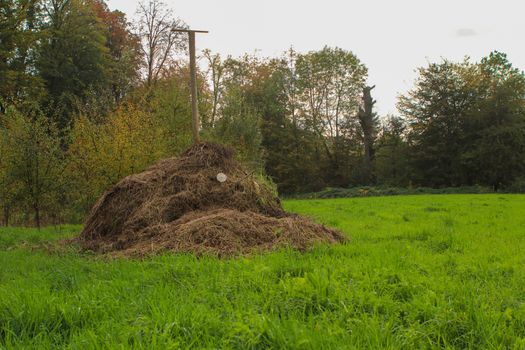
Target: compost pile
[(180, 205)]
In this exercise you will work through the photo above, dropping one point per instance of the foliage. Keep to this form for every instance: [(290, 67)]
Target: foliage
[(306, 120), (168, 104), (297, 113), (288, 150), (378, 191), (518, 186), (31, 166), (392, 155), (124, 50), (329, 83), (496, 128), (18, 36), (420, 272), (239, 124), (102, 154), (467, 123), (72, 57)]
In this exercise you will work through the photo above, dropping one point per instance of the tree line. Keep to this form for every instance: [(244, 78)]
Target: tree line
[(88, 96)]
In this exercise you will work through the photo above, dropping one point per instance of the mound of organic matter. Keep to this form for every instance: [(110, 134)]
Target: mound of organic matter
[(203, 202)]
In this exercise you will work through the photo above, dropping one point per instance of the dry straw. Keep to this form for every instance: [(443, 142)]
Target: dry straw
[(179, 205)]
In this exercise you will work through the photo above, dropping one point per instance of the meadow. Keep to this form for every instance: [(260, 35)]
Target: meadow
[(425, 271)]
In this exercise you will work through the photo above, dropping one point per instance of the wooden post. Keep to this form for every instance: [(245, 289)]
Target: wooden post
[(193, 82)]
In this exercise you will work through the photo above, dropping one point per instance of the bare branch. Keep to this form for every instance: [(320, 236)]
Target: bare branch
[(159, 44)]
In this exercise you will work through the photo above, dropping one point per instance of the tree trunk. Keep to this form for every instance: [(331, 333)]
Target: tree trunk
[(37, 215), (6, 216), (367, 121)]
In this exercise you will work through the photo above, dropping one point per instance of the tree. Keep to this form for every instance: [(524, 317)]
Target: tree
[(168, 102), (9, 187), (101, 154), (19, 33), (251, 109), (32, 163), (329, 83), (437, 109), (73, 59), (215, 74), (467, 123), (296, 113), (124, 49), (391, 163), (496, 127), (288, 152), (238, 120), (159, 43)]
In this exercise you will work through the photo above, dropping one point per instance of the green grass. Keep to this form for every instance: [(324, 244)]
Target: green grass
[(441, 271)]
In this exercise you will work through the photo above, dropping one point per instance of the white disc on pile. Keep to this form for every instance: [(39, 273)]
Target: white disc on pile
[(221, 177)]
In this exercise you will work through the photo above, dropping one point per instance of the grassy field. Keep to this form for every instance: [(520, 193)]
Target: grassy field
[(428, 271)]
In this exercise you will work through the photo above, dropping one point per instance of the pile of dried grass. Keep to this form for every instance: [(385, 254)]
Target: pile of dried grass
[(179, 205)]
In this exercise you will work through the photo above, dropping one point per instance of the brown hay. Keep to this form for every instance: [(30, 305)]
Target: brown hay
[(179, 205)]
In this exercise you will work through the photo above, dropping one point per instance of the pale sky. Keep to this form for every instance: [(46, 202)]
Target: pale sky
[(391, 37)]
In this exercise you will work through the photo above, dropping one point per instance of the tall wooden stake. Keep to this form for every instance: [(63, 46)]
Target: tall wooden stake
[(193, 82)]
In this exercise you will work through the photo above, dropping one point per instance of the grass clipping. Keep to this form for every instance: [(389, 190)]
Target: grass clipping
[(180, 205)]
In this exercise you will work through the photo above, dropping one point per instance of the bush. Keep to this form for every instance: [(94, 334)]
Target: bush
[(518, 186), (370, 191)]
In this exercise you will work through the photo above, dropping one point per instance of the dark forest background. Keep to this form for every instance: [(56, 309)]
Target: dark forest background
[(88, 96)]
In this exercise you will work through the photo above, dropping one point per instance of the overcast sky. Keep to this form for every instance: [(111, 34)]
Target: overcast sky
[(391, 37)]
